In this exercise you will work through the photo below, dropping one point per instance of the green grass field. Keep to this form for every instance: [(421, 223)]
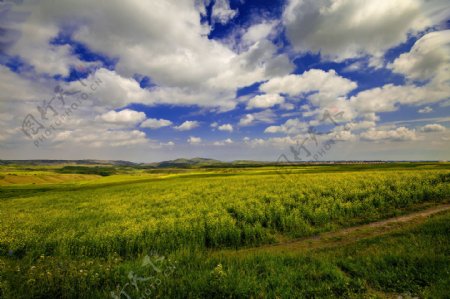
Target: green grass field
[(92, 232)]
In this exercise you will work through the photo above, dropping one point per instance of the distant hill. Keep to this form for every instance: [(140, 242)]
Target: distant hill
[(185, 163), (76, 162), (197, 162)]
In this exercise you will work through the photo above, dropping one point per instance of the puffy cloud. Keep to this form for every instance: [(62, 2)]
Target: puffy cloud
[(266, 116), (187, 125), (221, 12), (354, 67), (432, 128), (389, 97), (113, 90), (170, 143), (154, 123), (342, 135), (265, 101), (126, 116), (226, 127), (279, 142), (223, 142), (428, 58), (258, 32), (326, 86), (291, 126), (426, 109), (398, 134), (342, 29), (246, 120), (186, 66), (328, 91), (99, 137), (34, 46), (194, 140), (287, 106)]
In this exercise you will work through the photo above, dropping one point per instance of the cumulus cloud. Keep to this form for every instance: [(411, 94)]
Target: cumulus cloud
[(246, 120), (329, 91), (154, 123), (291, 126), (222, 13), (99, 137), (325, 86), (266, 116), (187, 125), (389, 97), (194, 140), (113, 90), (189, 67), (186, 66), (342, 135), (258, 32), (223, 142), (398, 134), (225, 127), (428, 58), (432, 128), (126, 116), (265, 101), (343, 29)]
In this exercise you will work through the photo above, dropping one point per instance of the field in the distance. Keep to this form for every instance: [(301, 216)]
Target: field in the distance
[(84, 232)]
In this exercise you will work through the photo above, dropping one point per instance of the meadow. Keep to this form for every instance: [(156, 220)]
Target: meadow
[(92, 232)]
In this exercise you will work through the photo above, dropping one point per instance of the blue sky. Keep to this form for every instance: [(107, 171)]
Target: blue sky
[(156, 80)]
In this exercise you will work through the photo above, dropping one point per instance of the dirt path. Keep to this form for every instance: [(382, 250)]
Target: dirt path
[(347, 235)]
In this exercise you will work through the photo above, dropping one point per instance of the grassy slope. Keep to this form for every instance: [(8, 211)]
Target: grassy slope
[(96, 208), (412, 260)]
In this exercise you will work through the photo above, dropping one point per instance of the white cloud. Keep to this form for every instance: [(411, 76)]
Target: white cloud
[(342, 29), (325, 86), (99, 137), (258, 32), (154, 123), (428, 58), (389, 97), (287, 106), (432, 128), (116, 91), (33, 46), (226, 127), (186, 66), (342, 135), (426, 109), (398, 134), (127, 116), (291, 126), (222, 13), (246, 120), (266, 116), (224, 142), (194, 140), (265, 101), (187, 125), (354, 67)]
